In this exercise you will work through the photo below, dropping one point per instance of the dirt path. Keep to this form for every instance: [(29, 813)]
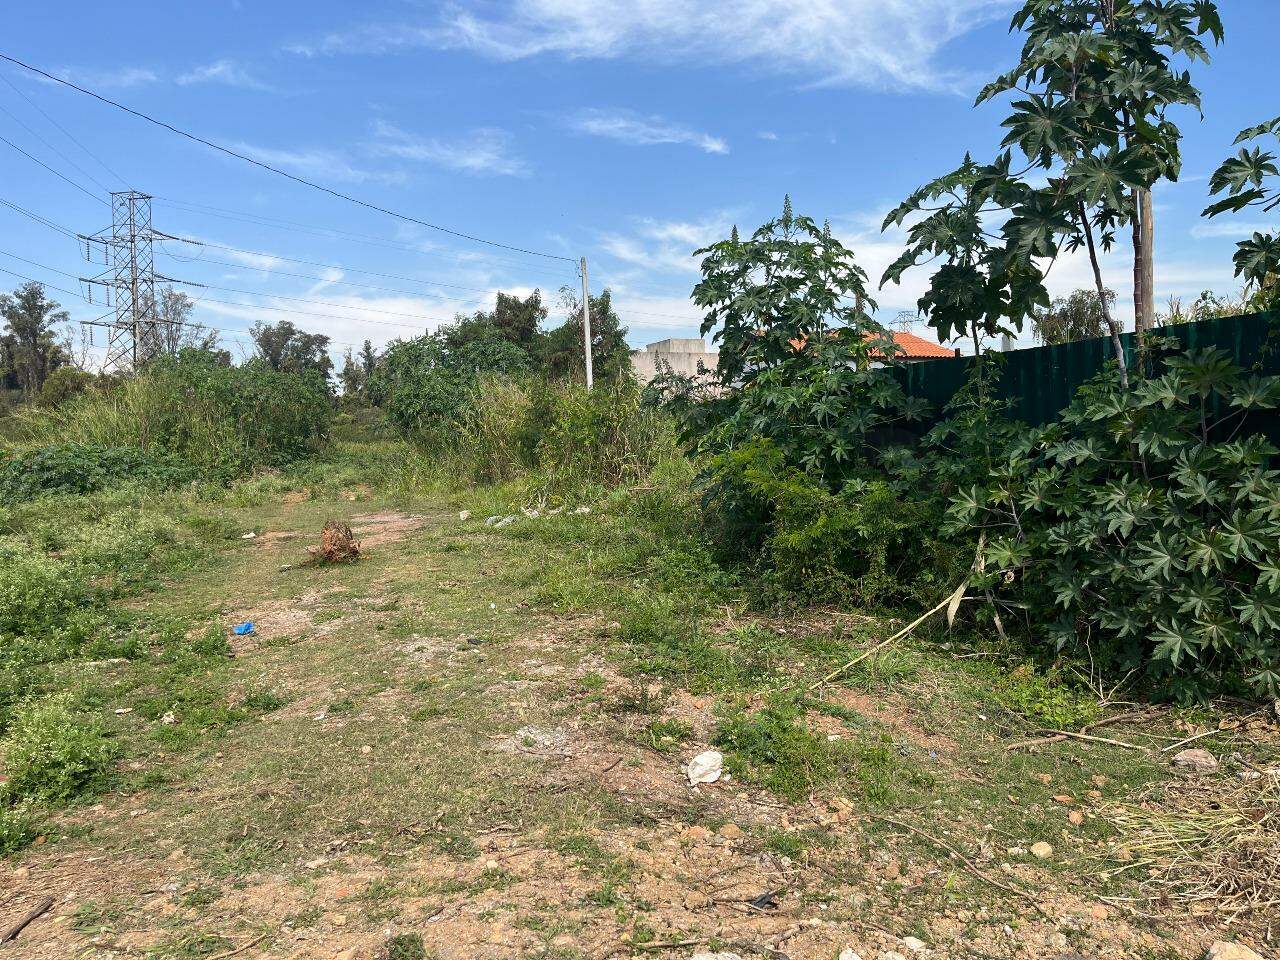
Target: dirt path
[(449, 760)]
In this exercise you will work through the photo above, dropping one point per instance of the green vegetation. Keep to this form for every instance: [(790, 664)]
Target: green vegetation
[(194, 409)]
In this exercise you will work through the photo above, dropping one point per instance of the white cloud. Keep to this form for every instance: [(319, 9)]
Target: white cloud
[(482, 151), (632, 128), (875, 43), (225, 72), (316, 163), (767, 135), (667, 245), (1232, 229), (119, 78)]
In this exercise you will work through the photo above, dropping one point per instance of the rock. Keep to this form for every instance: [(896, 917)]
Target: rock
[(1041, 850), (892, 955), (505, 522), (1075, 818), (730, 831), (1198, 761), (1230, 951), (914, 945), (696, 834), (464, 514), (169, 719), (580, 511), (706, 767), (366, 750), (848, 953), (1065, 799), (705, 955)]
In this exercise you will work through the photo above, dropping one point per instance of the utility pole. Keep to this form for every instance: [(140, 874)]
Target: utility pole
[(134, 336), (586, 319)]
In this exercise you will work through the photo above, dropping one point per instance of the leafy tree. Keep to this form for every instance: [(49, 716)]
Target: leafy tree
[(351, 376), (178, 331), (368, 360), (30, 318), (1248, 180), (799, 353), (1090, 115), (561, 350), (1068, 319), (287, 349), (1097, 81), (979, 285)]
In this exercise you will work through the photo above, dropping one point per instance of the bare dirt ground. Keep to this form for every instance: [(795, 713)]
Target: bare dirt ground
[(450, 759)]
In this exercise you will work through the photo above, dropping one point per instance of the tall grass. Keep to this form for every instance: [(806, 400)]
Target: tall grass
[(192, 409), (554, 439)]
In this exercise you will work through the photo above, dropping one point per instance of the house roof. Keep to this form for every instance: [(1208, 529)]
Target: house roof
[(910, 346), (913, 346)]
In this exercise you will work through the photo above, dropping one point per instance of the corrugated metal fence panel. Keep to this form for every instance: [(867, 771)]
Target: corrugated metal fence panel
[(1042, 381)]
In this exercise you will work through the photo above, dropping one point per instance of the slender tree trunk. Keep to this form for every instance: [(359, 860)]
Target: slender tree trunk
[(1148, 260), (1112, 326), (1139, 269)]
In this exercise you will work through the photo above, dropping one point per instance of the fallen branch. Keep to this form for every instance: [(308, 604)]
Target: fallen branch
[(238, 950), (1206, 733), (905, 631), (977, 872), (36, 912), (1057, 736)]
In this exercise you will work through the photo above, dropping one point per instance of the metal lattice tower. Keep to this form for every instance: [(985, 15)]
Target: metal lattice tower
[(135, 336)]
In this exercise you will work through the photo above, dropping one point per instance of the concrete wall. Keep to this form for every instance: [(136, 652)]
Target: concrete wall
[(682, 355)]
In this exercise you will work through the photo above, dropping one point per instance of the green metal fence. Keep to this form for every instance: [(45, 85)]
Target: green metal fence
[(1042, 381)]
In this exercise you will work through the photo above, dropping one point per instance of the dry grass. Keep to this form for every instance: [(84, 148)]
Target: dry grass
[(1208, 846)]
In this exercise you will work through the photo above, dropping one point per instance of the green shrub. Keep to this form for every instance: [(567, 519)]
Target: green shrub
[(404, 946), (52, 754), (863, 544), (774, 748), (602, 437), (192, 409), (37, 593), (16, 830), (1141, 527), (69, 469)]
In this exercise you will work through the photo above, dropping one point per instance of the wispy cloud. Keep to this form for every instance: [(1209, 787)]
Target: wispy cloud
[(225, 72), (628, 127), (1232, 229), (118, 78), (485, 150), (876, 43), (667, 245), (767, 135), (319, 163)]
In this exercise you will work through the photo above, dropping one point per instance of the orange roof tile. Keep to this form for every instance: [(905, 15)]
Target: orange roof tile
[(913, 346)]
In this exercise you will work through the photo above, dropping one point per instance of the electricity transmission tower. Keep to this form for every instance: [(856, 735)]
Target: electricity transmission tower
[(134, 337)]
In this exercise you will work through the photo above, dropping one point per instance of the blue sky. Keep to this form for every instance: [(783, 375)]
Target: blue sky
[(626, 131)]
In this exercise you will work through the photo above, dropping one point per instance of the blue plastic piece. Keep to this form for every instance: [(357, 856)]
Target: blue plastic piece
[(243, 629)]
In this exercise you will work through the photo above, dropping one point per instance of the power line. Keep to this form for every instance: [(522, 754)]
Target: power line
[(65, 132), (66, 231), (276, 170), (309, 263), (18, 120), (345, 283), (242, 333), (85, 190), (258, 306), (346, 236), (39, 219)]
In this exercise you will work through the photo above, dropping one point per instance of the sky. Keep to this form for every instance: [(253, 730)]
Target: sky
[(629, 132)]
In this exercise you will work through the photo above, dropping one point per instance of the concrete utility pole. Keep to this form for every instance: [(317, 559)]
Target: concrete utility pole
[(586, 319)]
